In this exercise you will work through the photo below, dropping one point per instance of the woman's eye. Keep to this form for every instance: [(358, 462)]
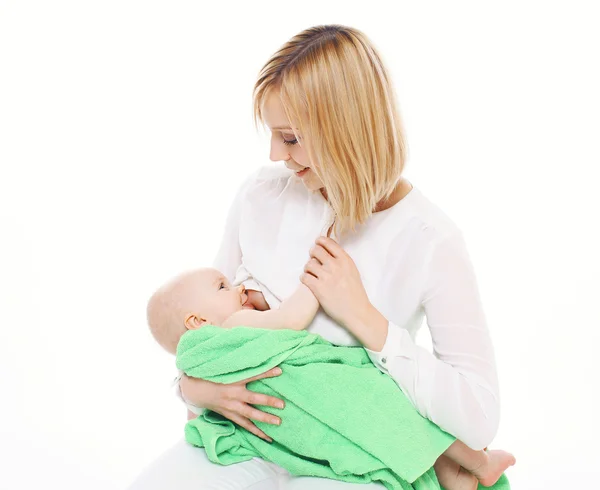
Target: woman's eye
[(290, 142), (222, 285)]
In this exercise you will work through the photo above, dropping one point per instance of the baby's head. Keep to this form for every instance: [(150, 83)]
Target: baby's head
[(190, 301)]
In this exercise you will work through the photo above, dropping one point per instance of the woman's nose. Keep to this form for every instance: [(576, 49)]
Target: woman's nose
[(278, 152)]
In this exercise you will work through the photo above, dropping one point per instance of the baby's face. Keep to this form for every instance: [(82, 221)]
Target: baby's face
[(217, 298)]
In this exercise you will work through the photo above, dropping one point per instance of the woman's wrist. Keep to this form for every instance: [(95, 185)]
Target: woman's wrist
[(185, 388), (370, 327)]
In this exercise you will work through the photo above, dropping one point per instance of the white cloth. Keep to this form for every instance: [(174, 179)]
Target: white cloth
[(185, 467), (175, 384), (414, 264)]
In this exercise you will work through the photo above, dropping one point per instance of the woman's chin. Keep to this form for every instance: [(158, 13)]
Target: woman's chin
[(312, 184)]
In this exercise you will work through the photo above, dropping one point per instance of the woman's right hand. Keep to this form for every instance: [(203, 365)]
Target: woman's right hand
[(234, 401)]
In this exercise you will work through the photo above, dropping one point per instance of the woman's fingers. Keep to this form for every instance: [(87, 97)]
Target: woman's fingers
[(259, 398), (271, 373), (313, 267), (254, 414), (330, 245), (247, 424), (319, 253), (312, 283), (254, 398), (239, 401)]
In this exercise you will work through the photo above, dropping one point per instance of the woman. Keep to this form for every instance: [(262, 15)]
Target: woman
[(396, 258)]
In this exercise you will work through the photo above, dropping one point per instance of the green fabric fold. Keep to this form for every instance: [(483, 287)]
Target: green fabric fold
[(344, 419)]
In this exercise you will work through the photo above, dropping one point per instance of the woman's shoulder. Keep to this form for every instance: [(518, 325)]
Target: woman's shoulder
[(433, 218)]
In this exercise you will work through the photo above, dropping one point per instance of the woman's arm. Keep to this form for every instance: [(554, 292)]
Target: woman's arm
[(457, 386)]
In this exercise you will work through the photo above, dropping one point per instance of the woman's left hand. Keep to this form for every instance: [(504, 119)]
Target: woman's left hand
[(333, 278)]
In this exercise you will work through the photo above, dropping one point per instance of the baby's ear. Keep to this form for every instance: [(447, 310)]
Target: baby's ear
[(194, 322)]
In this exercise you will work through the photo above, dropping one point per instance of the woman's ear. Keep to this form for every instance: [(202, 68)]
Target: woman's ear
[(193, 322)]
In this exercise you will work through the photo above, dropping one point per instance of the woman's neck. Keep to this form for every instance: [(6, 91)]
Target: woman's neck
[(403, 187)]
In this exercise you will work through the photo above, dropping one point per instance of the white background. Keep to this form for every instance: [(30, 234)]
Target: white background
[(125, 129)]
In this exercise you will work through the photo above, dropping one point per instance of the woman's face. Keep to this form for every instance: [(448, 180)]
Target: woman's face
[(284, 145)]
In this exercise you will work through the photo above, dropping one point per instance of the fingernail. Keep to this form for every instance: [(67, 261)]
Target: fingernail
[(277, 370), (280, 405), (269, 440), (276, 421)]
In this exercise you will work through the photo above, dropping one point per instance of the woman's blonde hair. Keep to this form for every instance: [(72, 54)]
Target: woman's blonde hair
[(335, 89)]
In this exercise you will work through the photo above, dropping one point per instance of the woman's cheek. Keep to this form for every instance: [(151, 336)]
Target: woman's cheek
[(300, 157)]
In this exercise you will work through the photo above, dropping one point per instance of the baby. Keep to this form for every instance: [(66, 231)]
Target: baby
[(205, 297)]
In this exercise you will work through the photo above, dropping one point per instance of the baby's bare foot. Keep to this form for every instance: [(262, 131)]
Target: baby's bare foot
[(497, 463), (452, 476)]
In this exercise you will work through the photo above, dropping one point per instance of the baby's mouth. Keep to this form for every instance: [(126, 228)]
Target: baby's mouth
[(248, 306)]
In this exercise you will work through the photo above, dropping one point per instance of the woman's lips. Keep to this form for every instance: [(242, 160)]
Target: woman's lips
[(302, 172)]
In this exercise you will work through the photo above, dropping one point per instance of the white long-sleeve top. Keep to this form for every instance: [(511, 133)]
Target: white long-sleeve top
[(413, 262)]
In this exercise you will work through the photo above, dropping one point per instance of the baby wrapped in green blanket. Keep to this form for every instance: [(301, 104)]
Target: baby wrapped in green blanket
[(344, 419)]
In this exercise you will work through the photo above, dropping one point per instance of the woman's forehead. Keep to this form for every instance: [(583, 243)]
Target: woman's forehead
[(273, 113)]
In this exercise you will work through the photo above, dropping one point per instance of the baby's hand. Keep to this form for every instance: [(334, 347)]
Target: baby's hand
[(257, 299)]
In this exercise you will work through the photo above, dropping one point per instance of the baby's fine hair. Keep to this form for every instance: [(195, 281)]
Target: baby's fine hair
[(166, 310)]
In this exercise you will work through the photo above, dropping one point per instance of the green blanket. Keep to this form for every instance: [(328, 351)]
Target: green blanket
[(343, 419)]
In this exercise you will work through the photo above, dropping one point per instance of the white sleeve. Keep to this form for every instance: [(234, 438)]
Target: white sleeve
[(456, 387), (179, 394)]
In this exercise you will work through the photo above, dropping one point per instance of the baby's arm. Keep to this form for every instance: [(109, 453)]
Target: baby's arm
[(296, 313)]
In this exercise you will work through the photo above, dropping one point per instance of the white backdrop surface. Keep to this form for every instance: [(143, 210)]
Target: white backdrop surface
[(125, 129)]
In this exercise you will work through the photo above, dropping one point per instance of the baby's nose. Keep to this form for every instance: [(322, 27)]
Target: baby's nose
[(242, 288)]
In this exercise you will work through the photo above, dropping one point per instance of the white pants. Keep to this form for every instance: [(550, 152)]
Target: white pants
[(185, 467)]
